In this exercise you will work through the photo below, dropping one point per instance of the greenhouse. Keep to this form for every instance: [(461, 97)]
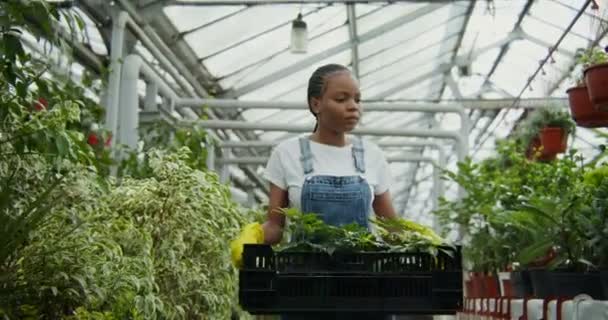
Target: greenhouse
[(304, 159)]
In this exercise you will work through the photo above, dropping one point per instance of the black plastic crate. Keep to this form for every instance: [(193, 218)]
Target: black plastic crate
[(389, 283), (375, 262)]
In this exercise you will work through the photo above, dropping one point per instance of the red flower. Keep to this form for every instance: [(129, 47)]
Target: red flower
[(93, 140), (41, 104)]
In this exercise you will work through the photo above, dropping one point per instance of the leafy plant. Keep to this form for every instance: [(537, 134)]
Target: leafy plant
[(590, 57), (309, 232), (164, 135), (191, 219), (594, 218), (495, 189)]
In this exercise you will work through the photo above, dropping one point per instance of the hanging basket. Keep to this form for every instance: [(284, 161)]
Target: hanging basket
[(596, 78), (553, 140), (582, 110)]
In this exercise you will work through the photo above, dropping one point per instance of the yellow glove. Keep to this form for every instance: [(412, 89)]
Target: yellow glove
[(251, 234)]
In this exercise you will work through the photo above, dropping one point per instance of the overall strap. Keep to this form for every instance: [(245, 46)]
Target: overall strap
[(358, 155), (306, 155)]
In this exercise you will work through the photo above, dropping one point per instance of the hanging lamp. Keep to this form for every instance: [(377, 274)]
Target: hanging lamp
[(299, 36)]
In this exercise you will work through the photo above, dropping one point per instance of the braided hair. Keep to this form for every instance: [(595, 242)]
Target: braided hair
[(317, 84)]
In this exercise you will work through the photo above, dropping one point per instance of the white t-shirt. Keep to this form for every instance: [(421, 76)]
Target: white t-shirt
[(284, 168)]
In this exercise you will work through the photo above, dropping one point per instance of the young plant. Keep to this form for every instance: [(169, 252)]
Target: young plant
[(587, 58)]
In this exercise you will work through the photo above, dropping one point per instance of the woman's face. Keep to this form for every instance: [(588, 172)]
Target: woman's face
[(338, 108)]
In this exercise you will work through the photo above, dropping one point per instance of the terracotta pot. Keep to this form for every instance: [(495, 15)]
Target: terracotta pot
[(554, 140), (537, 152), (491, 286), (582, 110), (596, 78), (477, 285)]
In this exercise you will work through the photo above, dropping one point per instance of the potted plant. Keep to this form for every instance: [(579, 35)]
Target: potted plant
[(583, 111), (546, 130), (594, 220), (553, 238), (596, 77)]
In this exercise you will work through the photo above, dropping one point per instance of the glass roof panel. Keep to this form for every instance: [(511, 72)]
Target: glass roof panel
[(369, 22), (186, 18), (416, 34), (486, 28), (300, 77)]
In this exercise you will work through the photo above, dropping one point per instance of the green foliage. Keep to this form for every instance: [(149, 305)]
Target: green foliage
[(76, 244), (587, 58), (594, 221), (161, 134), (191, 219), (309, 232), (492, 210)]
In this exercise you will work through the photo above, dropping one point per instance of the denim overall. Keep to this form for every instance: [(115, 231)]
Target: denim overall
[(337, 201)]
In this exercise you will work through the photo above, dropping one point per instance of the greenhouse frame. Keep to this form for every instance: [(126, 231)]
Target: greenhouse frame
[(443, 84)]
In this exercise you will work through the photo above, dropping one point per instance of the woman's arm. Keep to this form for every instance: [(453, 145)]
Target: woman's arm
[(383, 205), (273, 227)]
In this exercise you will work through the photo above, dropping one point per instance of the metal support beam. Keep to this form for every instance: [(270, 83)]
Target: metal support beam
[(119, 22), (354, 38), (378, 31), (264, 160), (243, 125), (193, 72), (290, 105), (275, 2)]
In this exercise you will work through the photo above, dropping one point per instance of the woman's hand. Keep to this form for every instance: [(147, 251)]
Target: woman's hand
[(273, 227), (383, 206)]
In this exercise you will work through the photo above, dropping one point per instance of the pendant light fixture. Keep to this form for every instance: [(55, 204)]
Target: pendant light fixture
[(299, 36)]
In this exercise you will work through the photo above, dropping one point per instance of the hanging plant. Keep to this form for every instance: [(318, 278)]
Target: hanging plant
[(584, 113), (545, 131), (596, 77)]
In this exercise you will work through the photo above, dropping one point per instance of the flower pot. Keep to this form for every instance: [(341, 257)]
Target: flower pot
[(569, 284), (582, 110), (477, 285), (542, 283), (491, 286), (553, 139), (537, 152), (596, 78), (468, 285), (565, 284), (522, 285)]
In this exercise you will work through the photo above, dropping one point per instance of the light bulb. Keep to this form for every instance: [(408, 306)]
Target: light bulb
[(299, 36)]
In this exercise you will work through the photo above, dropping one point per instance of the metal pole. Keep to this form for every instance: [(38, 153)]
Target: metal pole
[(210, 156), (117, 47), (243, 125), (224, 171), (263, 160), (128, 121), (290, 105)]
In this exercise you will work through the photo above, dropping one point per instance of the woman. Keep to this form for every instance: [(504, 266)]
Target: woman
[(339, 177)]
